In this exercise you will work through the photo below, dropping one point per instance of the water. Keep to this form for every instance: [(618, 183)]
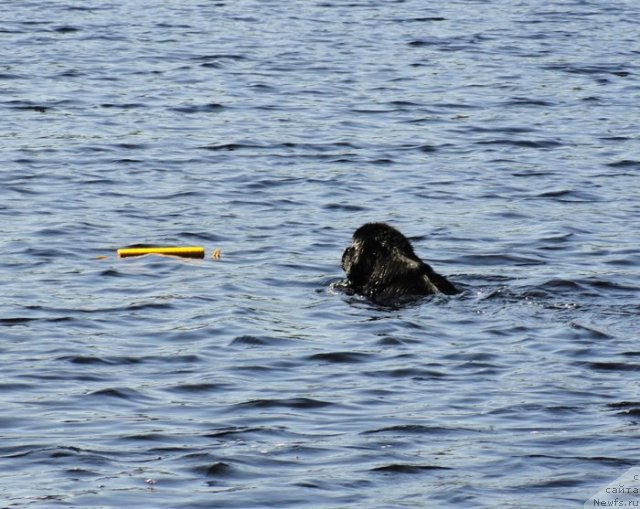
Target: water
[(501, 137)]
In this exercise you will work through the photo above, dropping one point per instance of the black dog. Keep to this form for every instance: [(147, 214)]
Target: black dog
[(380, 264)]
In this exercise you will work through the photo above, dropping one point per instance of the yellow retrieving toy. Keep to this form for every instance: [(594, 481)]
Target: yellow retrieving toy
[(184, 251)]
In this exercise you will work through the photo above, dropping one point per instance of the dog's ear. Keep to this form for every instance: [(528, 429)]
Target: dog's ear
[(405, 261)]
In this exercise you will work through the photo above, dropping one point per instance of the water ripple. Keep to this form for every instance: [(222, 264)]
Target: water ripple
[(501, 141)]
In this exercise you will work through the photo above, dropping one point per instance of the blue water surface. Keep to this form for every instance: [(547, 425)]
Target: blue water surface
[(501, 137)]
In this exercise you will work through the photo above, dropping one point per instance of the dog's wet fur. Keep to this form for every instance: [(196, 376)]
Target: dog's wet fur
[(380, 264)]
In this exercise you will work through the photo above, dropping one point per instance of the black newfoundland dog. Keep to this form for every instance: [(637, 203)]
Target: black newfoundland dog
[(381, 265)]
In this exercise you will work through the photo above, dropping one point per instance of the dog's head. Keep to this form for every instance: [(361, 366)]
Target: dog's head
[(380, 263), (378, 252)]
